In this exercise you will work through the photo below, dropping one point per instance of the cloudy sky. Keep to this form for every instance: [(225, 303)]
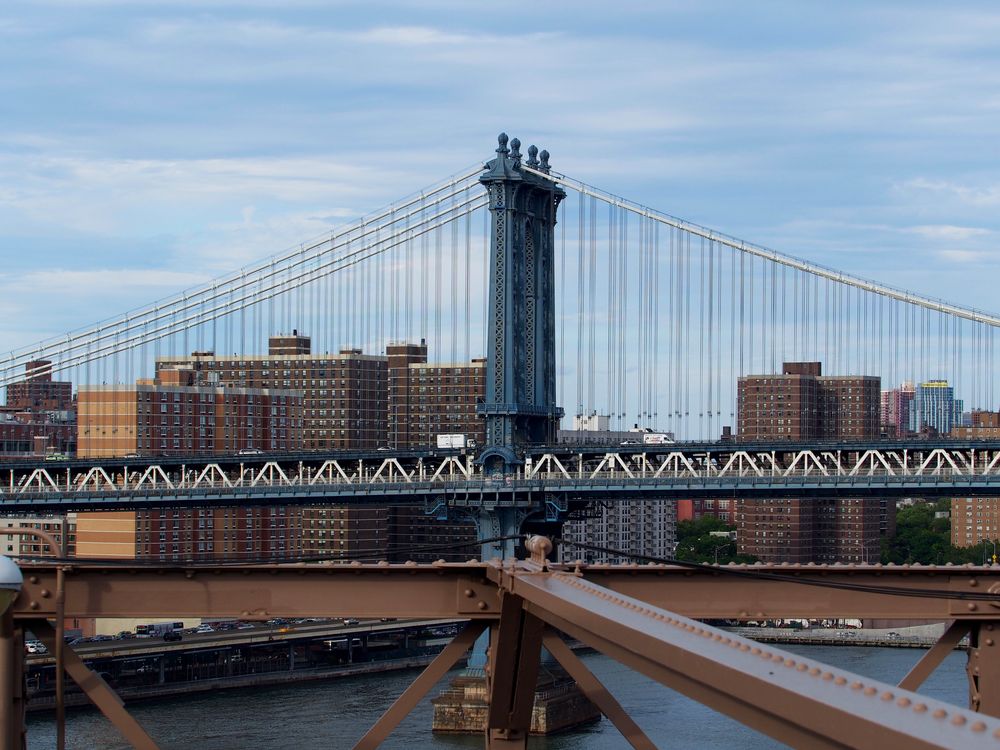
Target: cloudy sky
[(146, 148)]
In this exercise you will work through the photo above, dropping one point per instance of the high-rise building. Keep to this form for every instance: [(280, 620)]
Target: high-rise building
[(230, 533), (38, 391), (344, 394), (643, 527), (803, 404), (431, 399), (974, 520), (177, 414), (935, 408), (59, 527), (39, 416), (896, 404)]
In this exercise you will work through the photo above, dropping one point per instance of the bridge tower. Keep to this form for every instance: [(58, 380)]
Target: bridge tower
[(520, 407)]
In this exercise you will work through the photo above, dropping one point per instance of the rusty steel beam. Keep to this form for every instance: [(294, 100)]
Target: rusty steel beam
[(795, 700), (12, 708), (261, 592), (757, 592), (935, 655), (983, 667), (591, 687), (450, 590), (512, 674), (96, 689), (420, 687)]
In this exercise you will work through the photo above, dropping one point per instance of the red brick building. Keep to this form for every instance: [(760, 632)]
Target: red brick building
[(802, 404), (427, 400)]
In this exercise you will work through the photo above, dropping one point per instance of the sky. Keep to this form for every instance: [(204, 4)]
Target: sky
[(146, 147)]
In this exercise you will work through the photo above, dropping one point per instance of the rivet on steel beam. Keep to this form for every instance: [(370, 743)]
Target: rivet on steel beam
[(920, 708), (469, 593), (33, 579), (483, 605), (802, 667), (903, 702), (973, 582), (854, 685), (972, 606), (33, 605), (870, 690), (958, 720), (840, 680), (45, 593), (989, 641), (887, 696), (815, 671), (978, 726), (789, 662), (940, 714)]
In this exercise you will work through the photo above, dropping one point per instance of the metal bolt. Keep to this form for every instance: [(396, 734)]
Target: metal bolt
[(33, 605), (469, 593), (45, 593), (483, 605), (972, 606)]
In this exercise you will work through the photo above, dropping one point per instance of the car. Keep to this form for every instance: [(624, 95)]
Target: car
[(173, 635), (251, 452), (245, 626), (351, 621), (204, 629)]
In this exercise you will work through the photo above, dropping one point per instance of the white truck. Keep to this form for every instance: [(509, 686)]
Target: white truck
[(453, 441), (656, 438)]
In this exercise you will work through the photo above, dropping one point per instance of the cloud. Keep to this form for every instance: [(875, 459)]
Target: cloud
[(949, 232)]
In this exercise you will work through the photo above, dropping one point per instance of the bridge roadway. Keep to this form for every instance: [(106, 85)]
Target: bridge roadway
[(261, 634), (558, 478)]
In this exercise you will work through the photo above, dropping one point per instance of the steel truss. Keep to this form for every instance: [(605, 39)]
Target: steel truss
[(639, 615), (723, 470)]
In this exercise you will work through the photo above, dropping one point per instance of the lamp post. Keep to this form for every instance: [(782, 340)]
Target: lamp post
[(720, 547)]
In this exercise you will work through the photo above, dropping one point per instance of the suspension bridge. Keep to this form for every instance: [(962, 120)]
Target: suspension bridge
[(616, 309)]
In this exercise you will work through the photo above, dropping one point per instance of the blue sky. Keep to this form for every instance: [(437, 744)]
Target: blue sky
[(146, 146)]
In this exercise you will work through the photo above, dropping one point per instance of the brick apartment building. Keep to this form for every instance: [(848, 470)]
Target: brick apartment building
[(229, 533), (178, 414), (344, 394), (803, 404), (427, 400), (38, 416)]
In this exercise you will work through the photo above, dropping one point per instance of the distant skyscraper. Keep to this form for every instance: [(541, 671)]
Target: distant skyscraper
[(935, 406), (896, 407)]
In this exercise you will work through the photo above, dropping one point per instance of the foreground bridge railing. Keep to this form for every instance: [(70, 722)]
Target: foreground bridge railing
[(643, 616)]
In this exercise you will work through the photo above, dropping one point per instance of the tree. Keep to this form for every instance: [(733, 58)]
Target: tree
[(923, 538), (696, 543)]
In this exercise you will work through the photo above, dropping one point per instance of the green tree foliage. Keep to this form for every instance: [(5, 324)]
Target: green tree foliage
[(922, 538), (695, 542)]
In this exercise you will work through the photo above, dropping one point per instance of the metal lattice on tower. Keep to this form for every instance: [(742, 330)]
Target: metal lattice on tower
[(520, 406)]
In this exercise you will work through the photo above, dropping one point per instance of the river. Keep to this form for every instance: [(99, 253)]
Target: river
[(336, 713)]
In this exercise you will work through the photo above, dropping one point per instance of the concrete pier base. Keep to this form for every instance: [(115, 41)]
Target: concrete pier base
[(559, 704)]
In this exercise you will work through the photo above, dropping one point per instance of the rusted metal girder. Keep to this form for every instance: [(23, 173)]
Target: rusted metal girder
[(795, 700), (463, 590), (637, 614)]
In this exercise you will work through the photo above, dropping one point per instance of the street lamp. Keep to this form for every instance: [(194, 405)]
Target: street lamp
[(720, 547), (10, 582)]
